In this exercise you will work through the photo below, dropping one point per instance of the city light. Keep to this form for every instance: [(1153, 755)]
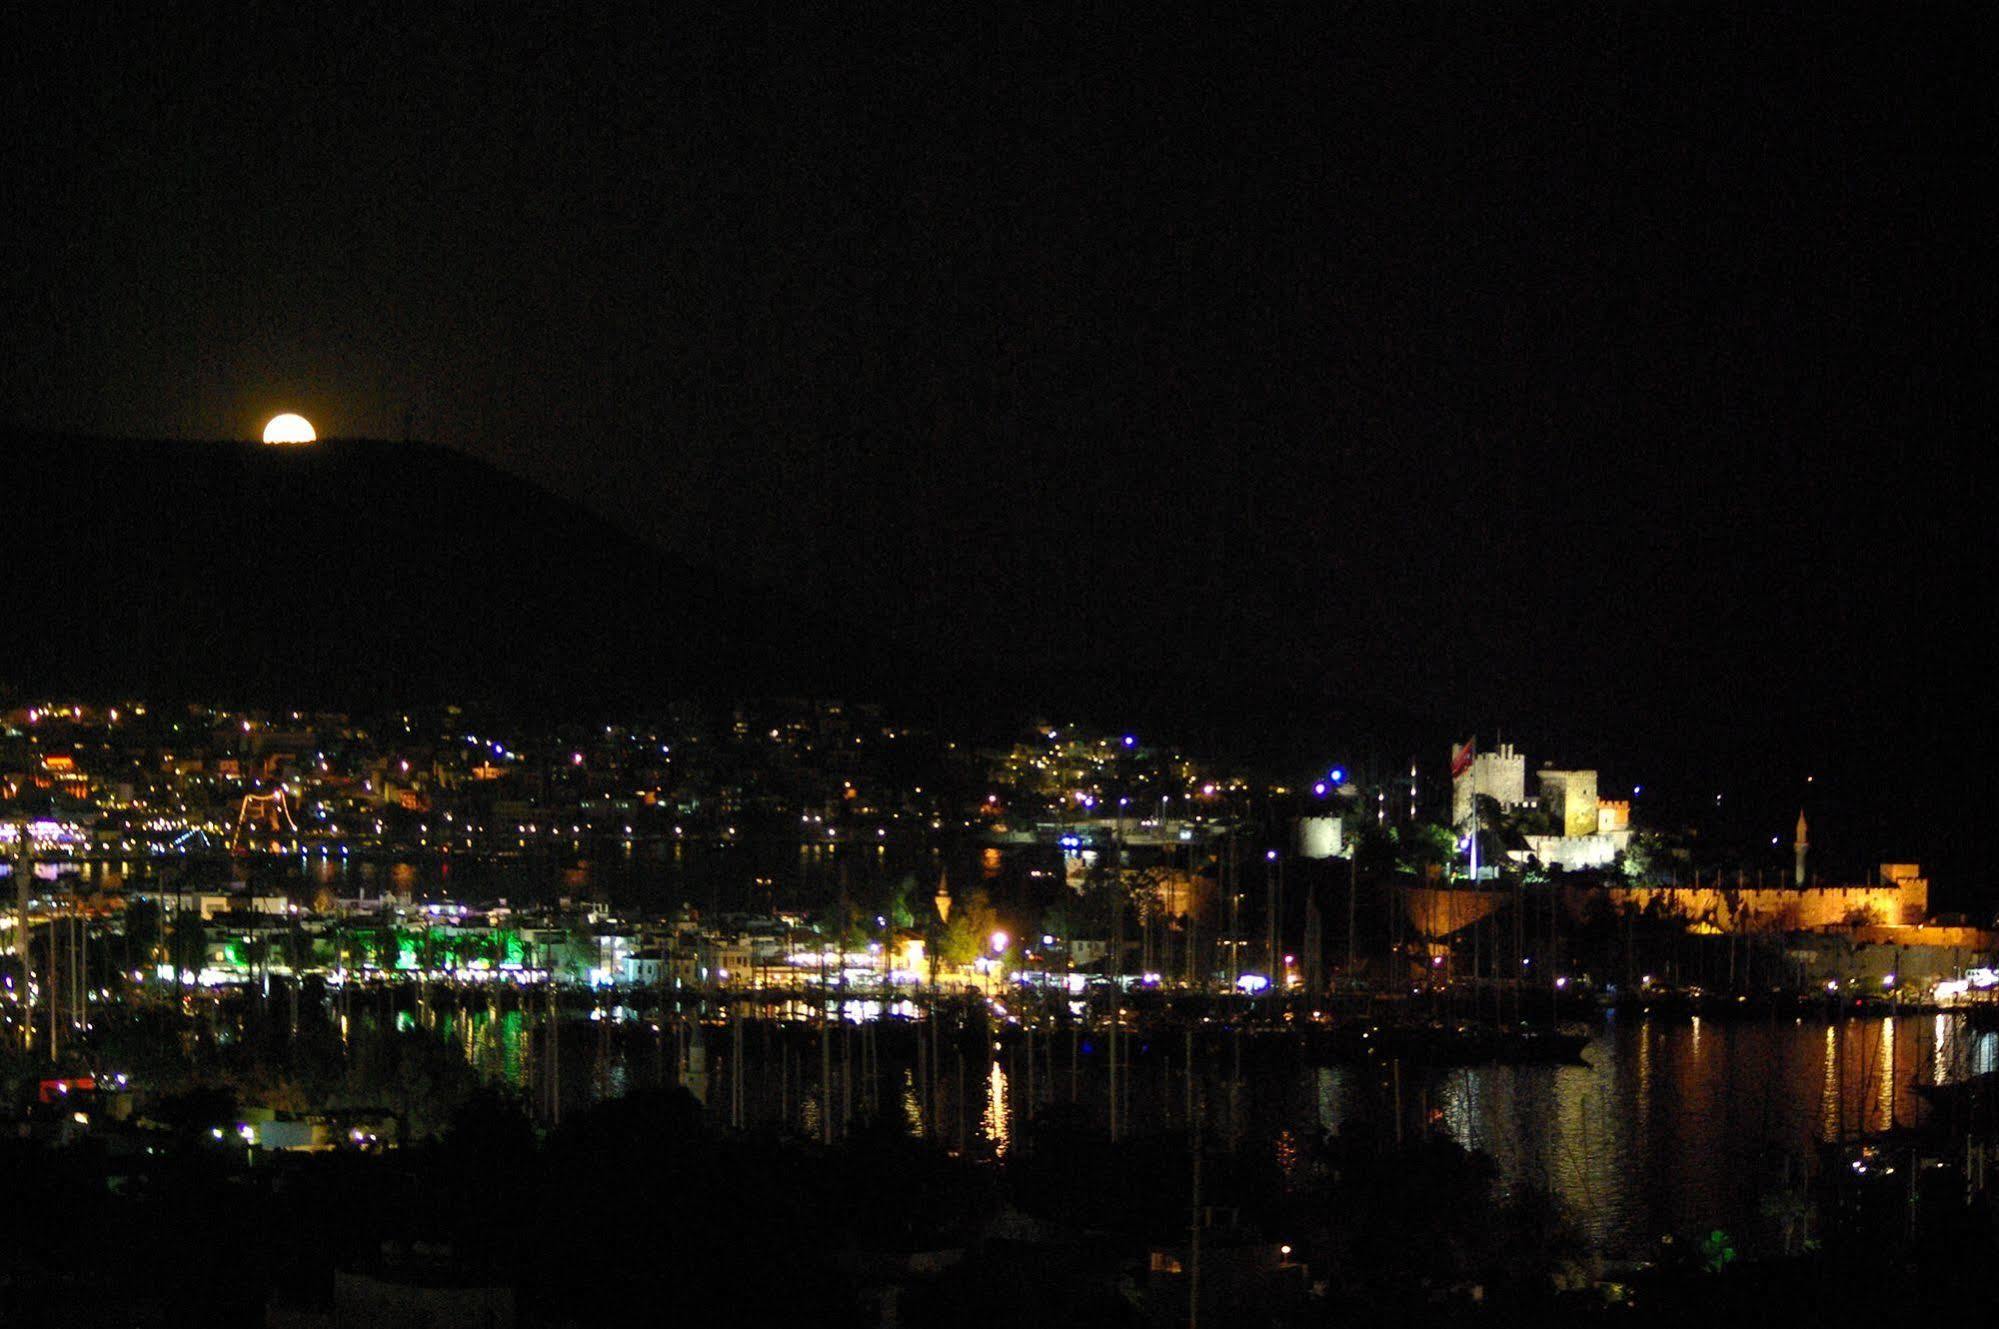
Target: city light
[(330, 789), (747, 439)]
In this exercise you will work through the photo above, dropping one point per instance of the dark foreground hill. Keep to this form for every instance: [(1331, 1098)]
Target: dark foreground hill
[(355, 570)]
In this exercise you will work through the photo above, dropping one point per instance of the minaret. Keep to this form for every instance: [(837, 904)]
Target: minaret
[(1799, 844)]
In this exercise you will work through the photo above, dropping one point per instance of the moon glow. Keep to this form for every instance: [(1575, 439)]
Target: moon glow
[(289, 429)]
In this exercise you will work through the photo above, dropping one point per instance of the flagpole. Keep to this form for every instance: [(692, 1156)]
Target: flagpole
[(1474, 811)]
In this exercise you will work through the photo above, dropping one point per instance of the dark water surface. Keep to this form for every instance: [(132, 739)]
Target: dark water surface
[(752, 874), (1674, 1125), (1671, 1126)]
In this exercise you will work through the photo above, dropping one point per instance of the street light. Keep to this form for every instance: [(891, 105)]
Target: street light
[(999, 944)]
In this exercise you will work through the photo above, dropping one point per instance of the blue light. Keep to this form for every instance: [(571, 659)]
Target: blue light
[(1320, 789), (1339, 775), (1131, 740)]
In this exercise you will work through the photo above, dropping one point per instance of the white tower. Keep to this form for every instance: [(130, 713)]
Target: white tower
[(1799, 844)]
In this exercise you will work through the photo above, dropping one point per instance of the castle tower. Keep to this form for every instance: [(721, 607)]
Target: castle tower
[(1799, 844)]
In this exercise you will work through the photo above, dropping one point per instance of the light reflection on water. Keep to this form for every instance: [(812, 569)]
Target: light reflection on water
[(715, 872), (1461, 1116), (1885, 1075), (1668, 1127), (996, 1122), (912, 1105)]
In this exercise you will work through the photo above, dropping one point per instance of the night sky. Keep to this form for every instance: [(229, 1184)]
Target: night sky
[(1608, 375)]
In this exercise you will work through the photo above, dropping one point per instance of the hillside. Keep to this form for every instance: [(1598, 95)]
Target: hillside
[(352, 570)]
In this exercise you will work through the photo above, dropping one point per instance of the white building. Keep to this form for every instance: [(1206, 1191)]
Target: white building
[(1319, 837), (641, 970)]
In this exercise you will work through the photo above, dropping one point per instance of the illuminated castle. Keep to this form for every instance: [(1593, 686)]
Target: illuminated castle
[(1589, 832), (1500, 775)]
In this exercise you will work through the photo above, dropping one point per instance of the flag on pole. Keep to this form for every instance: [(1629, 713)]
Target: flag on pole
[(1461, 756)]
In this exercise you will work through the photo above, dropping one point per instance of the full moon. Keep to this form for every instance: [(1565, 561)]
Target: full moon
[(289, 429)]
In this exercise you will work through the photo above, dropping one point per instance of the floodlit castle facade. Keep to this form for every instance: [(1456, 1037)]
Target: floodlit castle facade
[(1589, 832), (1500, 775)]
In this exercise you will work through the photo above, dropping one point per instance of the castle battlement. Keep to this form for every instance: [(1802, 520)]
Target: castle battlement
[(1901, 899)]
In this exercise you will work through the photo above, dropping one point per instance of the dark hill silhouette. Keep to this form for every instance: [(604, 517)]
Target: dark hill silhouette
[(355, 573), (360, 570)]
